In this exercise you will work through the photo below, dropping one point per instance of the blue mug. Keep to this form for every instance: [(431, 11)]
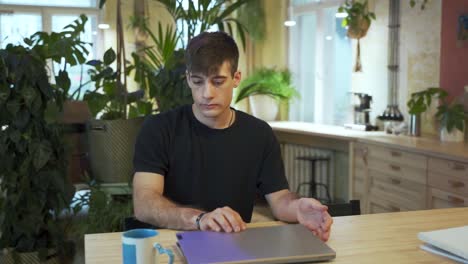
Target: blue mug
[(139, 247)]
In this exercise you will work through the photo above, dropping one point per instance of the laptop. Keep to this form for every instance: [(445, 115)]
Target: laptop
[(292, 243)]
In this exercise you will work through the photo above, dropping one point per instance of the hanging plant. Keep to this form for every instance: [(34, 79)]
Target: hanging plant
[(423, 4), (357, 21)]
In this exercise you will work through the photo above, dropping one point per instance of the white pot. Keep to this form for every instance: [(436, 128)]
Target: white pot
[(264, 107), (454, 136)]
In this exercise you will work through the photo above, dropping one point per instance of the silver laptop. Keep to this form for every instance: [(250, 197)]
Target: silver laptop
[(291, 243)]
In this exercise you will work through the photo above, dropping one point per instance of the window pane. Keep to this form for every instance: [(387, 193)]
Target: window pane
[(15, 27), (302, 65), (69, 3), (320, 60), (79, 73)]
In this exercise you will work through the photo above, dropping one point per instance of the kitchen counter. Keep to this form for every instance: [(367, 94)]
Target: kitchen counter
[(424, 145)]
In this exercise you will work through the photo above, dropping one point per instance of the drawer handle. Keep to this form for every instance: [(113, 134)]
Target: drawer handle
[(395, 168), (395, 153), (455, 200), (456, 184), (395, 181), (457, 166)]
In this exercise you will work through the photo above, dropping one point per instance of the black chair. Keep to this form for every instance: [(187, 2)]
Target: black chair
[(130, 223), (344, 209)]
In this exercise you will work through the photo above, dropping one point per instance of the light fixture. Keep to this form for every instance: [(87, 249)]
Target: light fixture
[(103, 26), (290, 22), (328, 37)]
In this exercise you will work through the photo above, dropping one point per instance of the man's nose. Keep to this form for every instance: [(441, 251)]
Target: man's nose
[(208, 91)]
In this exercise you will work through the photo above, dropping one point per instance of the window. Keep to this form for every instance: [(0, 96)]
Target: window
[(61, 3), (321, 63), (22, 18)]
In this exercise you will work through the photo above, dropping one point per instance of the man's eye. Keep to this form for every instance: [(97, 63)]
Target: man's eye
[(197, 82), (218, 83)]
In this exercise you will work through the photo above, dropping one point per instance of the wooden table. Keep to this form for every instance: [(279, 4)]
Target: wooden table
[(376, 238)]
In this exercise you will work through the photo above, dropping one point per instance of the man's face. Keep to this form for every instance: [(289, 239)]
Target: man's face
[(212, 94)]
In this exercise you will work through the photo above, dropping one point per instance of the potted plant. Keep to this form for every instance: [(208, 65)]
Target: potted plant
[(265, 88), (419, 103), (34, 186), (112, 133), (357, 21), (452, 121)]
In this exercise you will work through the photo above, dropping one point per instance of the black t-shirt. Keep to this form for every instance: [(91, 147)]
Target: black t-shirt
[(210, 168)]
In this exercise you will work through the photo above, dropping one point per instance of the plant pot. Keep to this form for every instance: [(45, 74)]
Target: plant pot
[(264, 107), (75, 115), (111, 145), (454, 136), (415, 125), (359, 30), (6, 257)]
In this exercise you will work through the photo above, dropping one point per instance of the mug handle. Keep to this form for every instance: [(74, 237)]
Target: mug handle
[(162, 250)]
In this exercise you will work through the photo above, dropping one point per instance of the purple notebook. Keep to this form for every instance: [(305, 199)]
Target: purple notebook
[(276, 244)]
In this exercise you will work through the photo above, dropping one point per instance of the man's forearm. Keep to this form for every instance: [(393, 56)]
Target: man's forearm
[(152, 207), (285, 207)]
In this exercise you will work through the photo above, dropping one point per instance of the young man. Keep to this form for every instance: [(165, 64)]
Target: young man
[(200, 166)]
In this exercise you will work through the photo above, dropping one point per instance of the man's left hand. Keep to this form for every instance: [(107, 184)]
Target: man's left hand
[(314, 215)]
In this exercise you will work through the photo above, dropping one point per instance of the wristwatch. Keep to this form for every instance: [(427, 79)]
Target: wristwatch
[(197, 221)]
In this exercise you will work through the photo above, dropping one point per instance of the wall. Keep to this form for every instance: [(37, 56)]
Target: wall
[(454, 54), (420, 56), (271, 52)]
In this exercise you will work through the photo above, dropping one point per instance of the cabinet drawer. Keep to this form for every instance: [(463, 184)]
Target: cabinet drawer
[(398, 156), (448, 167), (410, 189), (398, 170), (449, 183), (378, 205), (402, 197), (442, 199)]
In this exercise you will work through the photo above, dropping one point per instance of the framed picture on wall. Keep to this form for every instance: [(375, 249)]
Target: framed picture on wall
[(463, 27)]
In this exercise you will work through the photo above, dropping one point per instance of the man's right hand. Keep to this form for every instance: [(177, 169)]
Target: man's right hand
[(222, 220)]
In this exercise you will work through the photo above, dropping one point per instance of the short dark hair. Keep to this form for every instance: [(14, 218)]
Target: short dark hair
[(207, 51)]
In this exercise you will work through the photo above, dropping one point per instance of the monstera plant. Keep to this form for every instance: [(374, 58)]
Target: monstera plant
[(34, 187)]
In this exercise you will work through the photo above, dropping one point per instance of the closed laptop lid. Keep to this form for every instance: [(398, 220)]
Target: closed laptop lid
[(275, 244)]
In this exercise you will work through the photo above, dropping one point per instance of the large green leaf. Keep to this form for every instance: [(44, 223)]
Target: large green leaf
[(63, 81), (43, 154), (29, 95), (13, 106), (22, 118), (109, 56), (96, 102), (4, 94), (51, 113)]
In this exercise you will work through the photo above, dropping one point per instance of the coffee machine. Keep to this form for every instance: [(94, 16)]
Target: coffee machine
[(361, 113), (362, 109)]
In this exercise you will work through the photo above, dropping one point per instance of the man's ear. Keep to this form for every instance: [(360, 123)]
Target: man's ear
[(237, 78)]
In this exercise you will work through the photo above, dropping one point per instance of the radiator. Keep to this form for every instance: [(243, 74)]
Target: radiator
[(299, 171)]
